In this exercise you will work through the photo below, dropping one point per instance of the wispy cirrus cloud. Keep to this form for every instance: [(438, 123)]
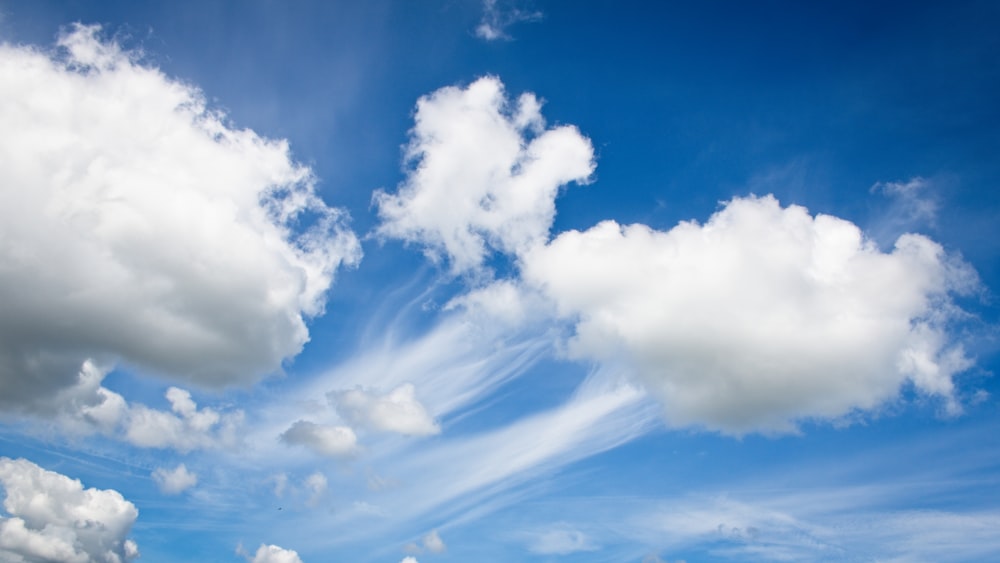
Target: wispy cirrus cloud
[(498, 15)]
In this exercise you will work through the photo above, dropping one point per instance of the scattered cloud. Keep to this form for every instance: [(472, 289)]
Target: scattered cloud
[(185, 428), (409, 559), (51, 517), (497, 17), (275, 554), (485, 175), (174, 481), (397, 411), (280, 484), (433, 543), (561, 540), (139, 226), (331, 441), (760, 317), (317, 486)]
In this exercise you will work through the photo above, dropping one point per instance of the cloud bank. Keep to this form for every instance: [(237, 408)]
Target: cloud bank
[(138, 225), (53, 518), (762, 316)]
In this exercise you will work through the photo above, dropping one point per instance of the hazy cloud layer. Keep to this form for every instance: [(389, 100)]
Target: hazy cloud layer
[(761, 316), (485, 174), (138, 225), (52, 518)]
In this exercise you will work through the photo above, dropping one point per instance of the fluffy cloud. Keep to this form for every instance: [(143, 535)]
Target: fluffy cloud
[(138, 225), (397, 411), (53, 518), (759, 317), (87, 407), (332, 441), (486, 174), (185, 428), (174, 481), (275, 554)]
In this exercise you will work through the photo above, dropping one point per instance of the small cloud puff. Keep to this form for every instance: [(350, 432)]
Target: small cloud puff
[(326, 440), (397, 411), (174, 481)]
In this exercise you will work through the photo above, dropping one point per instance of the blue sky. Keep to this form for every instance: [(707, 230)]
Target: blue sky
[(493, 281)]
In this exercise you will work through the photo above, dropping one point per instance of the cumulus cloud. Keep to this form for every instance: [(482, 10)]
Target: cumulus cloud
[(485, 174), (397, 411), (174, 481), (138, 225), (331, 441), (275, 554), (497, 18), (185, 428), (761, 316), (52, 518), (409, 559), (88, 407)]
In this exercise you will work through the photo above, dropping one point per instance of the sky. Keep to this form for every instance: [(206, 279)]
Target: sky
[(499, 280)]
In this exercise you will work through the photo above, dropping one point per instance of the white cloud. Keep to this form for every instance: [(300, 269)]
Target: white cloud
[(409, 559), (496, 19), (486, 174), (138, 225), (275, 554), (53, 518), (397, 411), (762, 316), (332, 441), (185, 428), (317, 485), (174, 481), (561, 540), (433, 542)]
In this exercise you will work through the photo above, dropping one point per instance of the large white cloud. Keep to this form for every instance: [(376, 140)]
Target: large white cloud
[(52, 518), (486, 174), (761, 316), (138, 225)]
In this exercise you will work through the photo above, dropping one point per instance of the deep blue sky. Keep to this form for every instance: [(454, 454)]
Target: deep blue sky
[(687, 106)]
